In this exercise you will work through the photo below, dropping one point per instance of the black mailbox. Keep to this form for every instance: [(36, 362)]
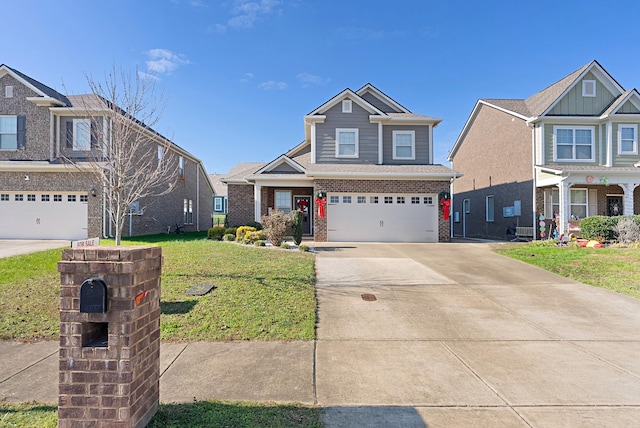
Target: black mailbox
[(93, 296)]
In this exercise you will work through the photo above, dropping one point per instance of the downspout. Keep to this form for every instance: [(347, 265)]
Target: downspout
[(533, 174), (452, 204), (198, 198), (51, 135)]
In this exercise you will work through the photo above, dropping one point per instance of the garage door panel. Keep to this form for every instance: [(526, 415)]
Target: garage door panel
[(385, 221), (37, 218)]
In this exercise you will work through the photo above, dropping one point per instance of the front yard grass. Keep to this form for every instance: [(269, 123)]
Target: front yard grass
[(616, 269), (199, 414), (260, 294)]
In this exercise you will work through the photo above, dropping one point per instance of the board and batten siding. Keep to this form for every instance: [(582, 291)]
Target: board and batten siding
[(367, 135), (379, 104), (574, 103), (421, 144)]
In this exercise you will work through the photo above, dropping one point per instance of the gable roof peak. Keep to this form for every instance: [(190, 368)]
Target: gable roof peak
[(36, 86)]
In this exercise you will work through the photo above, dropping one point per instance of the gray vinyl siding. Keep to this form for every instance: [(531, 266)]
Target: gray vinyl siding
[(283, 168), (628, 107), (618, 159), (549, 145), (574, 103), (367, 135), (379, 104), (421, 144)]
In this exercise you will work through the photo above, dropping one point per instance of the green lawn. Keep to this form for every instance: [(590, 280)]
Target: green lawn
[(261, 294), (200, 414), (615, 269)]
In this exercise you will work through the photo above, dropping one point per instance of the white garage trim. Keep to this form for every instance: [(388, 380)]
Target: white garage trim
[(43, 215), (382, 217)]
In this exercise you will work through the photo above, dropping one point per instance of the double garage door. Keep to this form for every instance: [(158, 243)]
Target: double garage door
[(43, 215), (382, 217)]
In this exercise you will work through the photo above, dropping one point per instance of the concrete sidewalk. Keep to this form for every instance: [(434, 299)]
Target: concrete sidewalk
[(456, 336)]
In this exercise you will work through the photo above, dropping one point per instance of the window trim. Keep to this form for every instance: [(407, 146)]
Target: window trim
[(635, 139), (585, 86), (395, 145), (74, 143), (357, 142), (8, 91), (490, 218), (574, 128), (585, 204), (280, 207), (347, 106), (218, 203)]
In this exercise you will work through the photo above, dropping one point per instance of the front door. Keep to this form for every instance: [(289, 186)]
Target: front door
[(303, 203), (614, 205)]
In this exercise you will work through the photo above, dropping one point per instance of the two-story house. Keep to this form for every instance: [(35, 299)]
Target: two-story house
[(45, 196), (565, 153), (364, 172)]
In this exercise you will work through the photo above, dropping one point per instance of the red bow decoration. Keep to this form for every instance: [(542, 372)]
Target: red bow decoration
[(302, 204), (446, 207), (321, 202)]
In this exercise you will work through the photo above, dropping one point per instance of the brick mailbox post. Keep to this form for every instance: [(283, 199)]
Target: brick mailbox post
[(109, 336)]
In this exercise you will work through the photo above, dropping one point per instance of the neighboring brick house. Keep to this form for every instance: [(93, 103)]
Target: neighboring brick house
[(565, 153), (43, 197), (371, 157)]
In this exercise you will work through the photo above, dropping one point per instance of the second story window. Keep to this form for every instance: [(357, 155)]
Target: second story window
[(181, 167), (404, 145), (574, 143), (628, 139), (81, 134), (346, 143), (8, 132)]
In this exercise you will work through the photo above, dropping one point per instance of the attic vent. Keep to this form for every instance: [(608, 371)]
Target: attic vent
[(8, 91), (588, 88), (346, 106)]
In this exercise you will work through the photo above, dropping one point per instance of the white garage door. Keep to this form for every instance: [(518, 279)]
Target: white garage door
[(382, 217), (41, 215)]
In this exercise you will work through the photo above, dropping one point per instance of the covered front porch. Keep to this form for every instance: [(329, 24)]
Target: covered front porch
[(566, 195), (285, 197)]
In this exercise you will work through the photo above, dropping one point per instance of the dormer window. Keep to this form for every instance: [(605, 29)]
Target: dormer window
[(347, 106), (588, 88)]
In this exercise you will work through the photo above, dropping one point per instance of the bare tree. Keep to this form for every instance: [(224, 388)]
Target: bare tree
[(132, 162)]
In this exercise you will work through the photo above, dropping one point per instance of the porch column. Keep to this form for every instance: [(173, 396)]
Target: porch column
[(257, 191), (563, 224), (627, 199)]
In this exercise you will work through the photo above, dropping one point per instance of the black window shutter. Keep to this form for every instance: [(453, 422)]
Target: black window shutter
[(21, 131), (94, 135), (69, 135)]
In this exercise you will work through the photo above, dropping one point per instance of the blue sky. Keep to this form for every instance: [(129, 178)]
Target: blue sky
[(239, 75)]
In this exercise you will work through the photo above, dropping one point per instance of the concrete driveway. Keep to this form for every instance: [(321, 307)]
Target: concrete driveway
[(14, 247), (459, 336)]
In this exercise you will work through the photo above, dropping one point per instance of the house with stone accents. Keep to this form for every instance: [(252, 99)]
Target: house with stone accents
[(548, 161), (364, 172), (42, 197)]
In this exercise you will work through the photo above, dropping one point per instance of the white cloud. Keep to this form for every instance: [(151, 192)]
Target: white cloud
[(272, 84), (162, 61), (146, 76), (246, 12), (308, 79), (247, 78)]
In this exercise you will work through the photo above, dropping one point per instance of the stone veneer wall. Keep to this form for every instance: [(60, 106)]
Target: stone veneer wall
[(114, 384)]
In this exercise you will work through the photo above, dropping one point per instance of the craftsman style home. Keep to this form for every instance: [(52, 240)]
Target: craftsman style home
[(548, 161), (364, 172), (43, 133)]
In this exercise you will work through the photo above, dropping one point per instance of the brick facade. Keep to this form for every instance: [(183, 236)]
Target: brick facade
[(241, 204), (113, 383), (380, 186)]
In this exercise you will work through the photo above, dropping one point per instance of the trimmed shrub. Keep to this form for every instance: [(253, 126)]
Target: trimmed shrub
[(285, 245), (303, 248), (216, 233), (296, 224), (229, 237), (259, 243), (242, 231), (230, 230), (256, 235), (255, 224), (275, 226), (598, 227)]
